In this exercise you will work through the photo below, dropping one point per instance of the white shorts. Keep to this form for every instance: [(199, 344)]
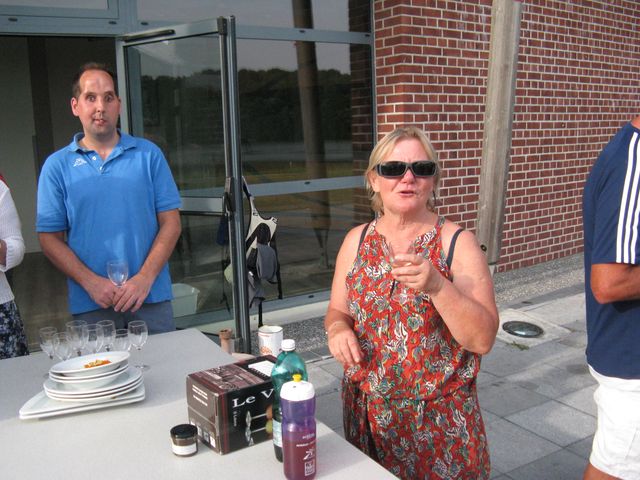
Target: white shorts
[(616, 444)]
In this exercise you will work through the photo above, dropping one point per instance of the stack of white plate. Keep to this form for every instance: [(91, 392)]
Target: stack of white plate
[(91, 378), (86, 383)]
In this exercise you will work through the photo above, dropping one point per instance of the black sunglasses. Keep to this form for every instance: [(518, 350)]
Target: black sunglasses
[(396, 169)]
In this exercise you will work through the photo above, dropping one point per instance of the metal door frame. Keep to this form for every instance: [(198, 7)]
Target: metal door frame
[(230, 201)]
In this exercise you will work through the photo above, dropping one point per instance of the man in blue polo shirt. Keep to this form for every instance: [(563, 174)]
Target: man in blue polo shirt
[(107, 196), (611, 210)]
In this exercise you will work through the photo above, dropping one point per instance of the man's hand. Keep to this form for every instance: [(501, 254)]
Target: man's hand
[(132, 294), (101, 291)]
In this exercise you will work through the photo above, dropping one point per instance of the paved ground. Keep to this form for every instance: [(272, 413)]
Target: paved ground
[(536, 395)]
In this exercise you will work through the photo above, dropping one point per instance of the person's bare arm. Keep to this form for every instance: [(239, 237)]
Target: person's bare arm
[(467, 305), (615, 282), (100, 289), (133, 294)]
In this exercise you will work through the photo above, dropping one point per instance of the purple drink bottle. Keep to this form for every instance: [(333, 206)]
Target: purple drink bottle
[(298, 405)]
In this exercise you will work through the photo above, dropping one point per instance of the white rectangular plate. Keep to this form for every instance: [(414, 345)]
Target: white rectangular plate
[(41, 406)]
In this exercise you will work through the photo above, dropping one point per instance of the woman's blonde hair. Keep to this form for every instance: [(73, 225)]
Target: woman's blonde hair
[(381, 152)]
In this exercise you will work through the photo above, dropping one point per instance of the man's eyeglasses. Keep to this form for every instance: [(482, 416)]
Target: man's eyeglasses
[(396, 169)]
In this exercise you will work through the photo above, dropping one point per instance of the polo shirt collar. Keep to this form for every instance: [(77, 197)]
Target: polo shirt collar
[(126, 142)]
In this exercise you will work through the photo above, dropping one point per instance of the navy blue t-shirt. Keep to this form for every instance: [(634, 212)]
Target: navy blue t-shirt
[(611, 211)]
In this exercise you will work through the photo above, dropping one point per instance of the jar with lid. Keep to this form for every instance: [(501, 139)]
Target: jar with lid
[(184, 440)]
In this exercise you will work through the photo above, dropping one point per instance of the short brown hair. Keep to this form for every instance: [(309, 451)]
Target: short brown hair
[(383, 149), (75, 84)]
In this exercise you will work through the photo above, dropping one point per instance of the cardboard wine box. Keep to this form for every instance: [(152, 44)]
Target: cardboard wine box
[(231, 405)]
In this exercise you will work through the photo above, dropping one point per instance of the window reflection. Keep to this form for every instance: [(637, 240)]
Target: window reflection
[(341, 15), (182, 107), (306, 121), (291, 132)]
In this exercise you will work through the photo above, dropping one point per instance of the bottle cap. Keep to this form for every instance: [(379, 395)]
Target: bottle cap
[(297, 377), (288, 344), (297, 391)]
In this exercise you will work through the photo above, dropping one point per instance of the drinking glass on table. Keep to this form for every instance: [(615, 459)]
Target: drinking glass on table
[(118, 272), (45, 335), (121, 341), (62, 346), (78, 334), (95, 338), (138, 333), (400, 292), (108, 333)]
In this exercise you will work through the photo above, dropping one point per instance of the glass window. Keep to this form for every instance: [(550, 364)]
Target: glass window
[(306, 114), (306, 130), (298, 123), (90, 4), (182, 108), (342, 15)]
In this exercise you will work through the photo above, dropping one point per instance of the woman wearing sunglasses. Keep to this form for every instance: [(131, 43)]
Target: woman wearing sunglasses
[(411, 361)]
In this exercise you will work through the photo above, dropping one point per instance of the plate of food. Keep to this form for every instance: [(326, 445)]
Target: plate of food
[(88, 378), (90, 365), (89, 382)]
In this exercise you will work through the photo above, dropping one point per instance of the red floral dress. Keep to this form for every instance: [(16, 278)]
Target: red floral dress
[(411, 404)]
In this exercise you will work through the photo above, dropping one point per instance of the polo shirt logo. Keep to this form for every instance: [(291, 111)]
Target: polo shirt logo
[(79, 161)]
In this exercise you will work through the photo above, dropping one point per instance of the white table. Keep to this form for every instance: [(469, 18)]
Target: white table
[(133, 441)]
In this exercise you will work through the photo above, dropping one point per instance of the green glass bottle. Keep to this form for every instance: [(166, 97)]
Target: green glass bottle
[(287, 363)]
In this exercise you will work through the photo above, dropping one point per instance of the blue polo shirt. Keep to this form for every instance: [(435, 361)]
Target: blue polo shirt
[(611, 210), (108, 209)]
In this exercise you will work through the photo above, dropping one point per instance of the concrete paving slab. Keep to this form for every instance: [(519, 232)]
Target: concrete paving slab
[(485, 378), (560, 356), (504, 360), (582, 448), (582, 400), (487, 416), (505, 398), (512, 446), (333, 367), (560, 465), (575, 340), (579, 325), (550, 381), (507, 359), (322, 380), (329, 410), (555, 422), (559, 311)]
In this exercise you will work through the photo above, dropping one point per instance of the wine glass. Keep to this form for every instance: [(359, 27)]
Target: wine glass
[(62, 346), (121, 342), (400, 293), (46, 334), (138, 333), (95, 338), (108, 333), (78, 334), (46, 340), (118, 272)]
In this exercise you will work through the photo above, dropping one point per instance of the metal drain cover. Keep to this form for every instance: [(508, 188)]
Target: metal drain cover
[(522, 329)]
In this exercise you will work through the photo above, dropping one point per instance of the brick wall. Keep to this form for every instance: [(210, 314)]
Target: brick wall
[(578, 72)]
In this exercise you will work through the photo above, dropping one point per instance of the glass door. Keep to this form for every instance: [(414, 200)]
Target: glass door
[(179, 85)]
